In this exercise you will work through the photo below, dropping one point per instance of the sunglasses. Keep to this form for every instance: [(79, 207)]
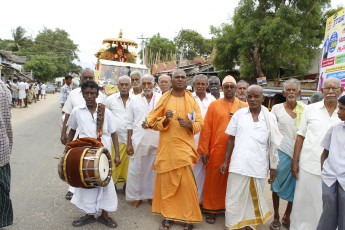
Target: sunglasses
[(232, 86)]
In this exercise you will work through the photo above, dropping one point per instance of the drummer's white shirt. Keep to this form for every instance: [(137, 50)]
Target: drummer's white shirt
[(86, 123), (75, 99), (94, 200)]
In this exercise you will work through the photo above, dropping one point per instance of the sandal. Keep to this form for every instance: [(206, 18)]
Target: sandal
[(286, 225), (211, 218), (188, 227), (166, 225), (275, 225), (82, 221), (69, 195), (107, 222)]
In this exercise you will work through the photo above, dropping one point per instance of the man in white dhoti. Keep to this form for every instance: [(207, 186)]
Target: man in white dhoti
[(204, 100), (117, 104), (100, 199), (253, 142), (75, 99), (316, 119), (142, 144), (288, 115), (21, 92)]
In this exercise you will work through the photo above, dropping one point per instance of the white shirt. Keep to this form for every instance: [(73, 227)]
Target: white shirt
[(334, 166), (249, 157), (26, 85), (21, 86), (144, 141), (115, 104), (287, 127), (43, 87), (75, 99), (65, 90), (82, 119), (313, 126), (203, 108)]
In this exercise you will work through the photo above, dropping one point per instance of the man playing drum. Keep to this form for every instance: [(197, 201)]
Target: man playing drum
[(100, 199)]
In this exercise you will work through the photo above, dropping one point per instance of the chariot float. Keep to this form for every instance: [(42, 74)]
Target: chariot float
[(115, 61)]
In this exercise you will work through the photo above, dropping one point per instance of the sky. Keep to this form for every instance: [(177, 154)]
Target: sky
[(88, 22)]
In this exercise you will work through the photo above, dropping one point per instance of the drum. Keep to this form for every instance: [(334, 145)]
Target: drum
[(86, 167)]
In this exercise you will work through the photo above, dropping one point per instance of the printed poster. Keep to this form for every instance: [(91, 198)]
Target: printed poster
[(333, 58)]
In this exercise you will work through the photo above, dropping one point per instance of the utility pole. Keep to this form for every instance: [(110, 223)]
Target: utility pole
[(143, 46)]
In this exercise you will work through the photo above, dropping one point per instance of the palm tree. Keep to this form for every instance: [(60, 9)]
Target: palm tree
[(19, 39)]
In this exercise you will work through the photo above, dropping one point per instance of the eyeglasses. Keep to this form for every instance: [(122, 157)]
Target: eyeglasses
[(331, 88), (232, 86)]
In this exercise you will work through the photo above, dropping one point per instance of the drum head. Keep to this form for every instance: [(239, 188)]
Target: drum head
[(103, 167)]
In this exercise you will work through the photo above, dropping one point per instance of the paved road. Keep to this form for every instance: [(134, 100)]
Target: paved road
[(37, 191)]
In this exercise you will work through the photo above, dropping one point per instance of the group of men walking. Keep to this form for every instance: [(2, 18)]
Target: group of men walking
[(188, 153)]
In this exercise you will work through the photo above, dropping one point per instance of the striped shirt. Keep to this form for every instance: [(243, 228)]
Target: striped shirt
[(6, 135)]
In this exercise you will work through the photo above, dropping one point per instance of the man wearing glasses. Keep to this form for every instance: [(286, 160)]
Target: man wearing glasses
[(316, 119), (212, 145)]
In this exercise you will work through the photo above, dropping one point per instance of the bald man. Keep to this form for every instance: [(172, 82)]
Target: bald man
[(254, 127), (164, 83), (316, 119)]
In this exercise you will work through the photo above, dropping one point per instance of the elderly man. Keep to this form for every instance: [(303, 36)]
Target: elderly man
[(6, 140), (241, 92), (212, 144), (204, 100), (317, 118), (142, 144), (252, 146), (135, 78), (288, 115), (75, 99), (164, 83), (178, 118), (101, 199), (117, 104), (214, 87)]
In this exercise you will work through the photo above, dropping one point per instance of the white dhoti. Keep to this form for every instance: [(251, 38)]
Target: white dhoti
[(245, 204), (93, 200), (199, 174), (140, 178), (307, 203), (22, 94)]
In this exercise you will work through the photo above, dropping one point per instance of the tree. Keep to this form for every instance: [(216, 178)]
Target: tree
[(51, 55), (193, 44), (159, 48), (270, 37), (19, 40)]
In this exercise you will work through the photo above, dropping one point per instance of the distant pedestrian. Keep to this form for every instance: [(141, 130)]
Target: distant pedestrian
[(43, 90), (14, 87), (333, 174), (316, 97), (6, 142), (22, 92), (66, 89)]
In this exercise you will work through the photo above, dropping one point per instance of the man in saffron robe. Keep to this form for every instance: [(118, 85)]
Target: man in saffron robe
[(178, 118), (212, 145)]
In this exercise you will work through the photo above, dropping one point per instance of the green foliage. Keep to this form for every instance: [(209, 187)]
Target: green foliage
[(286, 35), (159, 45), (19, 40), (193, 44), (51, 55)]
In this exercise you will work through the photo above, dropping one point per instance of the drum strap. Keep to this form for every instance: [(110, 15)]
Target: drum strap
[(100, 120)]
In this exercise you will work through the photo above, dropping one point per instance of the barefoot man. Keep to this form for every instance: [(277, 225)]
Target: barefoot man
[(178, 118)]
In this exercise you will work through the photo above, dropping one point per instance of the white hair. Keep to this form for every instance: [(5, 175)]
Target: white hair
[(199, 76), (243, 82), (211, 78), (164, 75), (147, 76), (292, 80), (125, 77), (136, 73)]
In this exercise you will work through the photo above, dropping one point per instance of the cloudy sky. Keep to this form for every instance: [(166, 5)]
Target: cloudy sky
[(89, 22)]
